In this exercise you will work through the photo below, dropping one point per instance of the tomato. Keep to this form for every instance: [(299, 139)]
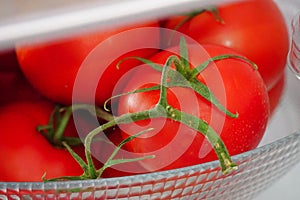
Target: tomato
[(25, 153), (8, 60), (235, 84), (51, 67), (276, 93), (15, 87), (253, 28), (13, 84)]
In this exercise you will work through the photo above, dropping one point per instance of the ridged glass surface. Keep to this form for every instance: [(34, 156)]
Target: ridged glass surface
[(258, 169), (294, 54)]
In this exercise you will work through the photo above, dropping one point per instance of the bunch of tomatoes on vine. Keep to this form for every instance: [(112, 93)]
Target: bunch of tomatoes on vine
[(145, 97)]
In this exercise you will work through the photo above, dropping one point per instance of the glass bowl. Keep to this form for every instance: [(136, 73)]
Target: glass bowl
[(258, 169), (278, 152)]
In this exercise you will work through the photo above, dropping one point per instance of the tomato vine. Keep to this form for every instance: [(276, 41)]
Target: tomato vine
[(182, 76)]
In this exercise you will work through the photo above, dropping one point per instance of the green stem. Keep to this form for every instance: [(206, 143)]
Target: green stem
[(61, 126), (123, 119), (48, 129), (187, 18), (111, 161), (176, 115), (163, 89), (59, 119), (88, 141), (197, 70), (94, 110), (195, 123), (214, 139), (79, 160)]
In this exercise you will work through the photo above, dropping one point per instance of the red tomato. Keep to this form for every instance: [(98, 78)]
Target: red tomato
[(25, 153), (52, 66), (15, 87), (13, 84), (8, 60), (253, 28), (234, 82)]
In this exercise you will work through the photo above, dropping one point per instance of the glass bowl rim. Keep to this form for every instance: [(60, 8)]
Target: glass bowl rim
[(151, 176)]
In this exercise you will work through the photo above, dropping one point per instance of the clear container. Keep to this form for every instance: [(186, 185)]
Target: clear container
[(294, 55)]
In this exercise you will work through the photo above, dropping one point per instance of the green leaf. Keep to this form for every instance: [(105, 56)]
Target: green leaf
[(216, 14), (184, 56), (205, 92), (178, 80), (111, 161), (164, 81), (155, 66), (197, 70), (78, 159)]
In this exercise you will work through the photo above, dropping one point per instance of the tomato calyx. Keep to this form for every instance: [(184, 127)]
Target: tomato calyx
[(185, 76), (59, 118), (54, 130)]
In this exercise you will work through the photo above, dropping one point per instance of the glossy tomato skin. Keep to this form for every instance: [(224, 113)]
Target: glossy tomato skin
[(235, 83), (253, 28), (52, 66), (26, 155)]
